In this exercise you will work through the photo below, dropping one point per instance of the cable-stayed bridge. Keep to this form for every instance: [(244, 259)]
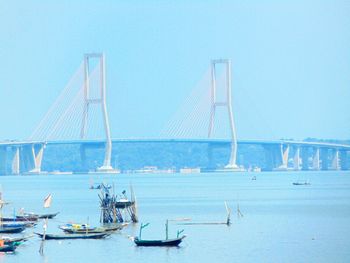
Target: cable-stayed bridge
[(79, 116)]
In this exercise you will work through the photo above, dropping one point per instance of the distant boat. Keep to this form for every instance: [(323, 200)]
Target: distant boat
[(74, 236), (57, 172), (302, 183), (100, 186), (187, 170)]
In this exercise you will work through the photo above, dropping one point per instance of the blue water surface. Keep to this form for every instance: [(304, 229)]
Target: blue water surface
[(281, 222)]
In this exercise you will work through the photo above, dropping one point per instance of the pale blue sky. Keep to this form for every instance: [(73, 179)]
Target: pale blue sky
[(290, 59)]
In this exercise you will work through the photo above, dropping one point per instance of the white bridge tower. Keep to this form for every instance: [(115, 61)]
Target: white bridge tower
[(227, 103), (102, 101)]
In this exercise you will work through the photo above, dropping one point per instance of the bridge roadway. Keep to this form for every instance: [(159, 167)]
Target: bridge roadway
[(212, 141), (276, 151)]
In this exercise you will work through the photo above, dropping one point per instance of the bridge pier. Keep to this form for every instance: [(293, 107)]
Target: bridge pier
[(305, 158), (296, 158), (16, 161), (26, 158), (37, 158), (344, 160), (324, 159), (273, 158), (316, 159), (83, 157), (335, 160), (227, 103), (285, 157), (106, 167), (3, 160)]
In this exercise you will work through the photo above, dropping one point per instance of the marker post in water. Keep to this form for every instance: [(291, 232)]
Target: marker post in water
[(47, 204)]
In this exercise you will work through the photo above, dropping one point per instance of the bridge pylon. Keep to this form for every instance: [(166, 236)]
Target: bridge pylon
[(226, 103), (102, 101)]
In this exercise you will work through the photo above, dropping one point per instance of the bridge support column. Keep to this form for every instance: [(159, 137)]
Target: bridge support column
[(83, 157), (316, 159), (285, 157), (37, 158), (227, 103), (296, 158), (344, 160), (210, 154), (324, 159), (3, 160), (273, 158), (106, 167), (26, 159), (305, 158), (16, 162), (335, 160)]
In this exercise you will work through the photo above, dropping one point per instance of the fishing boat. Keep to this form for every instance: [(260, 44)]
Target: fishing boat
[(160, 242), (124, 203), (93, 229), (37, 216), (27, 217), (12, 230), (17, 224), (76, 226), (49, 216), (8, 248), (100, 186), (17, 219), (8, 240), (302, 183), (74, 236)]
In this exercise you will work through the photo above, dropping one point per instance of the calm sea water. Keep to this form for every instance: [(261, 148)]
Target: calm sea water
[(281, 222)]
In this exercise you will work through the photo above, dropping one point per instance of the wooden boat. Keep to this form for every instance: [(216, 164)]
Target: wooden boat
[(301, 183), (159, 243), (69, 226), (100, 186), (9, 240), (8, 248), (124, 203), (74, 236), (27, 217), (17, 224), (19, 219), (92, 230), (49, 216), (35, 217), (12, 230)]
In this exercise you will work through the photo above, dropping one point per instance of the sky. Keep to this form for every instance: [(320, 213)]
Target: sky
[(290, 62)]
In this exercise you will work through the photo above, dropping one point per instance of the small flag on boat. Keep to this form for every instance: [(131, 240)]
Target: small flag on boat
[(47, 201)]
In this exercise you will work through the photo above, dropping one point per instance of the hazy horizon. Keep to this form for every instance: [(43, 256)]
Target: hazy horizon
[(290, 62)]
